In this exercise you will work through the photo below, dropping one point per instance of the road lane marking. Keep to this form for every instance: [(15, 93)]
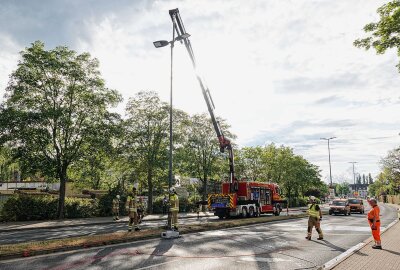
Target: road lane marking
[(261, 259)]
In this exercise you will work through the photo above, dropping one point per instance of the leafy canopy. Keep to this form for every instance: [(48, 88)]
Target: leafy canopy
[(385, 34)]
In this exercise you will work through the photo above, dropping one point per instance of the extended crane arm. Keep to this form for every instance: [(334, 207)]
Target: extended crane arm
[(224, 143)]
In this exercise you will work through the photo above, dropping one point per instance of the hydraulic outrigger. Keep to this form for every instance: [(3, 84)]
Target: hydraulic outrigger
[(224, 143)]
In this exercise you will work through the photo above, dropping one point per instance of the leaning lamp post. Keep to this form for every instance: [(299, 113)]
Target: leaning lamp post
[(160, 44)]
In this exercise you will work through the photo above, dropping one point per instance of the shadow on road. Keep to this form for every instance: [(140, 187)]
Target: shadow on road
[(360, 253), (329, 244), (391, 251)]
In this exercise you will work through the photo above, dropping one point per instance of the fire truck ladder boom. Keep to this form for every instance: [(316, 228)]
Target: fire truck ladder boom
[(224, 143)]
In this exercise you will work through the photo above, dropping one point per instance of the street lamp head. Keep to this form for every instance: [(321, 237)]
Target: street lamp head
[(160, 43), (327, 139), (163, 43)]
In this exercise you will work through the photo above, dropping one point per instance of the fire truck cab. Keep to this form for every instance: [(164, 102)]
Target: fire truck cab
[(249, 200)]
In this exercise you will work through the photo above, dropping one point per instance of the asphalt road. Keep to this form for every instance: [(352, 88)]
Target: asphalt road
[(277, 245), (22, 236)]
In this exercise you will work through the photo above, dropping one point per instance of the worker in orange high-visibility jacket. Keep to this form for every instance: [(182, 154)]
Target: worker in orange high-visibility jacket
[(174, 208), (375, 223), (131, 206)]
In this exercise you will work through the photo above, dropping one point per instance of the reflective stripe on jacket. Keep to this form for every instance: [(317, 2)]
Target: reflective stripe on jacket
[(312, 210), (174, 203), (131, 203)]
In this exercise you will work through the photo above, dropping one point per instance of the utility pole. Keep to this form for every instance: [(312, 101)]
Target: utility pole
[(329, 155), (354, 174)]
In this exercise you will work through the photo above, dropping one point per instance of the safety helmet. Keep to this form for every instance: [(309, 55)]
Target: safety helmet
[(312, 198), (118, 197), (172, 190), (373, 200)]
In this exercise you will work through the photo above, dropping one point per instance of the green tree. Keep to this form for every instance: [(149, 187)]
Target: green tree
[(202, 150), (56, 103), (250, 163), (370, 180), (146, 140), (358, 178), (343, 189), (296, 176), (391, 169), (384, 34)]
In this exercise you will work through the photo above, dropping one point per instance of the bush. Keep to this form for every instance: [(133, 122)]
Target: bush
[(105, 204), (80, 208), (27, 207), (185, 205), (158, 205)]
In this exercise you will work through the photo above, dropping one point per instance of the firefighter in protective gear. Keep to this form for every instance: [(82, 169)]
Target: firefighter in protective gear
[(115, 207), (131, 207), (375, 223), (314, 219), (174, 208)]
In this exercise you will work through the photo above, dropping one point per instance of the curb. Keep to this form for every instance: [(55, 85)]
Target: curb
[(90, 224), (340, 258), (153, 235)]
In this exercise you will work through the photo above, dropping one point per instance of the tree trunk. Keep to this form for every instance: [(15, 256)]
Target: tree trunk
[(150, 185), (205, 191), (62, 174), (61, 198)]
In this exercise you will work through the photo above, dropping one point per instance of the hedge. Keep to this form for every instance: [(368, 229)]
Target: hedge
[(23, 207), (26, 207)]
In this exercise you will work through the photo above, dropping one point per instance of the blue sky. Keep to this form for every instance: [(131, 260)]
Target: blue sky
[(279, 71)]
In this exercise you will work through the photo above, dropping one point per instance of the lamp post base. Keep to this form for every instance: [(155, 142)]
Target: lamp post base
[(170, 234)]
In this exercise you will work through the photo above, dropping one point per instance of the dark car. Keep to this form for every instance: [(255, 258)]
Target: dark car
[(339, 206), (356, 205)]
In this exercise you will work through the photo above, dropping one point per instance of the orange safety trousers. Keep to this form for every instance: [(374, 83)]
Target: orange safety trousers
[(377, 232)]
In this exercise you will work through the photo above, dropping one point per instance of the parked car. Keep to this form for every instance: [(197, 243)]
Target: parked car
[(339, 206), (356, 205)]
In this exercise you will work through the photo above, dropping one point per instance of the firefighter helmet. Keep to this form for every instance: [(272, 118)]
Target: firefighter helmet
[(172, 190)]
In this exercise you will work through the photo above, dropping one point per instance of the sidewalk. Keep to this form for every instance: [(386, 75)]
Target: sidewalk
[(43, 224), (368, 258)]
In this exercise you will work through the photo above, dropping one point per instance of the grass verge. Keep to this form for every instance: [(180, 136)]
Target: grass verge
[(58, 245)]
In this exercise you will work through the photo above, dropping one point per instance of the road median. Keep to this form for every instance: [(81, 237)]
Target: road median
[(10, 251)]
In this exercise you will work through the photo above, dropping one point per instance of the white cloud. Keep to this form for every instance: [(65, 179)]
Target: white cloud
[(273, 67), (9, 57)]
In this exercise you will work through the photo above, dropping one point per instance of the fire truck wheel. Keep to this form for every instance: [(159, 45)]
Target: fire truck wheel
[(251, 212), (220, 216), (244, 212)]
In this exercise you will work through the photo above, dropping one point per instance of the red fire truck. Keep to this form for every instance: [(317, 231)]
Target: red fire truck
[(249, 200)]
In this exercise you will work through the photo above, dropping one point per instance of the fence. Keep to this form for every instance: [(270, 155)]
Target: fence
[(394, 199)]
